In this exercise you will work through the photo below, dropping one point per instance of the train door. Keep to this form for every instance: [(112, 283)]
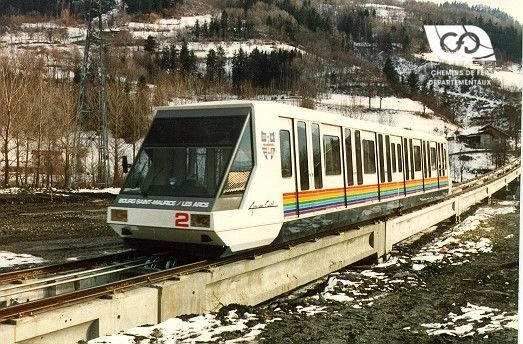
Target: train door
[(333, 180), (351, 174), (382, 170), (370, 172), (433, 170), (416, 163), (445, 158), (288, 168), (396, 157), (308, 165), (442, 168), (447, 181)]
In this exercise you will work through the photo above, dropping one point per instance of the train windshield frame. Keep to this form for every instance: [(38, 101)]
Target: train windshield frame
[(189, 156)]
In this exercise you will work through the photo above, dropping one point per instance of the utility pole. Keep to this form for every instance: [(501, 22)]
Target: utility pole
[(94, 38)]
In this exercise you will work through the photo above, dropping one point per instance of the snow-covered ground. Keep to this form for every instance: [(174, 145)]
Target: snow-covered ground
[(201, 328), (388, 13), (356, 289), (10, 259), (201, 49), (16, 190), (476, 162), (387, 103), (166, 27), (398, 112), (470, 322), (113, 191)]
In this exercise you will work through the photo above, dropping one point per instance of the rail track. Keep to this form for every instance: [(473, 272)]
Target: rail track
[(478, 181), (131, 262), (18, 287)]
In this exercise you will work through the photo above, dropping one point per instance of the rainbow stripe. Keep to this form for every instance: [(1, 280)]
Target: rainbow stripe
[(413, 186), (357, 194), (443, 182), (317, 200), (313, 200), (390, 190)]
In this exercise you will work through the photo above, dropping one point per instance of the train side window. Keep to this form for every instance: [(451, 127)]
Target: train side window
[(393, 152), (427, 158), (406, 148), (440, 146), (380, 158), (348, 157), (387, 154), (439, 159), (423, 164), (400, 158), (316, 156), (369, 157), (432, 158), (285, 153), (303, 156), (241, 167), (445, 161), (357, 144), (417, 158), (411, 152), (331, 147)]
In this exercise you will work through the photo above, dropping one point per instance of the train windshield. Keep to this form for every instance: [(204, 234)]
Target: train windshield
[(188, 156)]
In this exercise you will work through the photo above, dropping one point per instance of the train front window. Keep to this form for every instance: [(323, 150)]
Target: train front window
[(185, 156)]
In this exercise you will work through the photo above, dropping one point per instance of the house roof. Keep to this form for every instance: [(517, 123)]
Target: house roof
[(476, 130), (470, 131)]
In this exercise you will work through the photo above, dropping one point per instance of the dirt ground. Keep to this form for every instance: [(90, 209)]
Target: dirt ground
[(396, 313), (56, 227)]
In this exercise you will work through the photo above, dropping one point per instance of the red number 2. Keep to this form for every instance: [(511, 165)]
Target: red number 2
[(181, 220)]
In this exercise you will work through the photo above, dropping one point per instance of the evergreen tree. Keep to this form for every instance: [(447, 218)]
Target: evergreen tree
[(187, 59), (165, 58), (239, 68), (220, 63), (205, 29), (174, 58), (390, 72), (412, 82), (197, 30), (150, 44), (211, 70)]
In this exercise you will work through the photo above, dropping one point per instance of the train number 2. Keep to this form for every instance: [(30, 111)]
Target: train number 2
[(181, 220)]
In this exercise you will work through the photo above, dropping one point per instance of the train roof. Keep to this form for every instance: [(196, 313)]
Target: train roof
[(290, 111)]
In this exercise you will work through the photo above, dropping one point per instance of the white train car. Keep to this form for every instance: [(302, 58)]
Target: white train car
[(222, 177)]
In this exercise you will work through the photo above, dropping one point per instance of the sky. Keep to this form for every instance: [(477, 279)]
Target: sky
[(512, 7)]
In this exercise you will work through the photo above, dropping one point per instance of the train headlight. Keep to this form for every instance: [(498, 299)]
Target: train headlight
[(200, 220), (119, 215)]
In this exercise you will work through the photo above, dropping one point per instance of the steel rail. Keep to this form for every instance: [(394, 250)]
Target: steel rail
[(486, 177), (56, 268), (72, 274), (32, 307), (16, 289)]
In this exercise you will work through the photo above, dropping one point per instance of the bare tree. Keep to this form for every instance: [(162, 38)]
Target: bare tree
[(13, 91), (118, 107), (64, 116)]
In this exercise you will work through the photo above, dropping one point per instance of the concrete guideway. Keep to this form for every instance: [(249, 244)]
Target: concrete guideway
[(249, 281)]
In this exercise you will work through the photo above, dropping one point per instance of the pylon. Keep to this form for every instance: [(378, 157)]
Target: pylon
[(94, 37)]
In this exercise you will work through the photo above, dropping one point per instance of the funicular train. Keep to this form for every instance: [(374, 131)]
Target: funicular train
[(217, 178)]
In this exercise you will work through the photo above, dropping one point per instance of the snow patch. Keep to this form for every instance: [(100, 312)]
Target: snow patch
[(467, 323), (9, 259), (202, 328)]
